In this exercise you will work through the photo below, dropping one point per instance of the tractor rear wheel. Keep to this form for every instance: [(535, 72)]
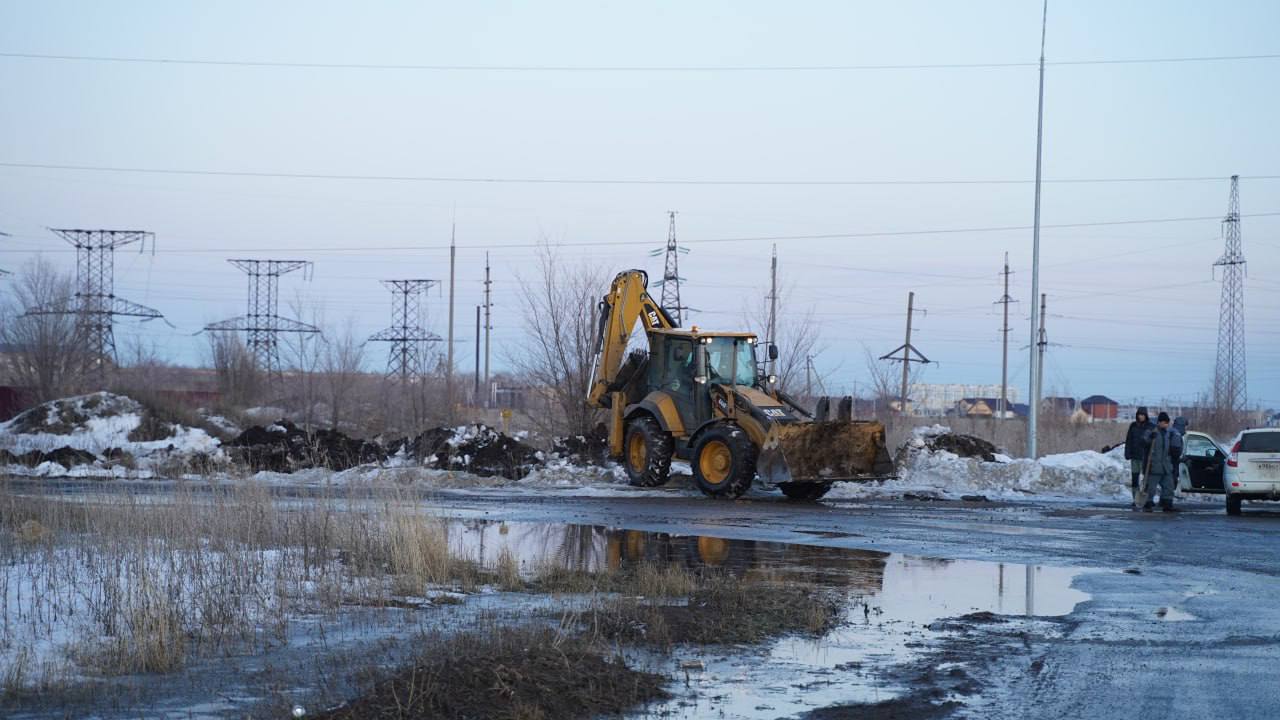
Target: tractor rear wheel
[(804, 490), (724, 461), (647, 452)]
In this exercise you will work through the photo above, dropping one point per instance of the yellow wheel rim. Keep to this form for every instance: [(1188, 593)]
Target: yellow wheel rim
[(713, 551), (715, 462), (636, 455)]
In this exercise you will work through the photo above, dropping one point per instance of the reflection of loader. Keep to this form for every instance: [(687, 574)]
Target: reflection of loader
[(699, 396), (859, 570)]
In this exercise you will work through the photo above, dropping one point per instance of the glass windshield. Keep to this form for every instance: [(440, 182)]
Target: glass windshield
[(720, 354)]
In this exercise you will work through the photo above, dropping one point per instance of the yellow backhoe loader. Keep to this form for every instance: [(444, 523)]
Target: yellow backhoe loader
[(701, 397)]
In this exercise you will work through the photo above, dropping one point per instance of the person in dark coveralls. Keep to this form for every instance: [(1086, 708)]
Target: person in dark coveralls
[(1135, 447), (1163, 450)]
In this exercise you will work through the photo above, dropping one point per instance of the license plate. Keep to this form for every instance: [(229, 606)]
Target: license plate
[(1270, 469)]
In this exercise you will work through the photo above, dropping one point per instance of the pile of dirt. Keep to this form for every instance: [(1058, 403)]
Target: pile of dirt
[(65, 456), (966, 446), (284, 447), (589, 449), (505, 673), (477, 449), (72, 414)]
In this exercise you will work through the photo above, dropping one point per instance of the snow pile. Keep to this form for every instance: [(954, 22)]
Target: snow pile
[(925, 469), (477, 449), (97, 434)]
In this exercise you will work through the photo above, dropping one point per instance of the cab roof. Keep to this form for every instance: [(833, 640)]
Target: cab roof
[(685, 332)]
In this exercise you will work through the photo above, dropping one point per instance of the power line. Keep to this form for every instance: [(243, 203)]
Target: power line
[(607, 181), (757, 238), (629, 68)]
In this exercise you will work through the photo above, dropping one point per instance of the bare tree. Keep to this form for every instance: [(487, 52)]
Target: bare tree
[(42, 349), (342, 365), (239, 380), (303, 355), (561, 325), (797, 337), (886, 379)]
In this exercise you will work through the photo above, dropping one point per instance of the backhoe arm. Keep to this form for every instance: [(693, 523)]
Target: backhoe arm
[(627, 302)]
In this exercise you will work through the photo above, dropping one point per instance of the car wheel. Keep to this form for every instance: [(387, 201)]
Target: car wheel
[(1233, 504)]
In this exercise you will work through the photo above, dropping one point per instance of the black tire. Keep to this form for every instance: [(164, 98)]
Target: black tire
[(646, 452), (724, 461), (1233, 504), (804, 490)]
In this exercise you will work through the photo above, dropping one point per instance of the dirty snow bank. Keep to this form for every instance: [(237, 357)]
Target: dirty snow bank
[(97, 435), (926, 469)]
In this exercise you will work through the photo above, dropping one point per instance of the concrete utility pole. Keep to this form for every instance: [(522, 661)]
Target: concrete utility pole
[(1033, 411), (488, 326), (773, 308), (1002, 407), (476, 392), (808, 377), (907, 349), (448, 376)]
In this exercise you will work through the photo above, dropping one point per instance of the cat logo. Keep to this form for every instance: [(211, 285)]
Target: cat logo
[(653, 318), (774, 412)]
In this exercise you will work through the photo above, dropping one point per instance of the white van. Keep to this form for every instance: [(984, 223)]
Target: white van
[(1253, 468)]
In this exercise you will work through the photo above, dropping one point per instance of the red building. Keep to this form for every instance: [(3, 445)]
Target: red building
[(1100, 407)]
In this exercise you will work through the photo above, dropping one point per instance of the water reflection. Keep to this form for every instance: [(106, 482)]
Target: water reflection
[(899, 587)]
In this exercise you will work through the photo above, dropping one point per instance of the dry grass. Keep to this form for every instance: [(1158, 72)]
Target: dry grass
[(507, 674), (142, 585)]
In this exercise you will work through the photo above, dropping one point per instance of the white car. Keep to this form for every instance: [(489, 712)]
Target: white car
[(1203, 464), (1253, 468)]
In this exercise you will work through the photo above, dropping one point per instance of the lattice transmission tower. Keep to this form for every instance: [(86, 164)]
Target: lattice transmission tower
[(262, 323), (406, 334), (96, 306), (1229, 389), (671, 272)]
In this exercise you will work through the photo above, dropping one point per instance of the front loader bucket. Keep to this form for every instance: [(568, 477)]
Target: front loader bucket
[(824, 452)]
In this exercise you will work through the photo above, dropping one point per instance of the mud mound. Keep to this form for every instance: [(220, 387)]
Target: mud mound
[(589, 449), (70, 415), (477, 449), (65, 456), (966, 446), (284, 447)]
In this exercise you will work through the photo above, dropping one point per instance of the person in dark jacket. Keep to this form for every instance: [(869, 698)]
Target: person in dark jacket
[(1135, 447), (1163, 450)]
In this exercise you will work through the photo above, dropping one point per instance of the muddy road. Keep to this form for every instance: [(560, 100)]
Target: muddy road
[(967, 609)]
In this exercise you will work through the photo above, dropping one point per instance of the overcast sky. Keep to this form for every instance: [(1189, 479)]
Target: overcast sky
[(1133, 308)]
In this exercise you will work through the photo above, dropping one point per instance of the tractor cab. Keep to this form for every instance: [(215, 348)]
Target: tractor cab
[(686, 363)]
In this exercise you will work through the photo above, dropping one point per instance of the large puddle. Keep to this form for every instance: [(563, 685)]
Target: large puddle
[(892, 602)]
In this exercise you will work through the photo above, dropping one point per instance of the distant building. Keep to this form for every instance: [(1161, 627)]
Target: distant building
[(941, 399), (1058, 405), (1100, 407)]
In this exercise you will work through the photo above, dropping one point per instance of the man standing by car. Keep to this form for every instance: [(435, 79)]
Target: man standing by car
[(1135, 447), (1163, 448)]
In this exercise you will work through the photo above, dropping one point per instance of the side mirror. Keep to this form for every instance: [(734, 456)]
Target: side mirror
[(773, 351), (700, 364)]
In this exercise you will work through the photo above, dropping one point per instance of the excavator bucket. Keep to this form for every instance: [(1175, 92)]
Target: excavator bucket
[(824, 451)]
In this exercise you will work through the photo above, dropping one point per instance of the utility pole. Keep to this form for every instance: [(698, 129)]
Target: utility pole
[(907, 350), (448, 376), (476, 392), (773, 309), (1041, 344), (261, 322), (808, 377), (1002, 407), (96, 305), (488, 326), (1033, 411), (1229, 388)]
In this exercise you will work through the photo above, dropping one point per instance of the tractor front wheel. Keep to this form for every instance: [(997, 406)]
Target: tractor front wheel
[(724, 461), (647, 452)]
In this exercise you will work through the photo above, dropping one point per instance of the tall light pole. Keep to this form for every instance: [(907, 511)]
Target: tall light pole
[(1033, 411)]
